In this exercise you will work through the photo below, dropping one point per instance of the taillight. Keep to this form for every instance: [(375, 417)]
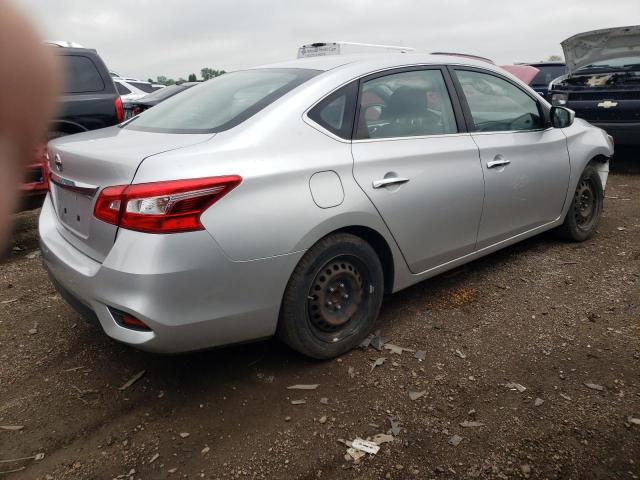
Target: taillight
[(162, 207), (119, 109)]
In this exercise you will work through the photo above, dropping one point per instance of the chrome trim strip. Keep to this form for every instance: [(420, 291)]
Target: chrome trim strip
[(74, 186)]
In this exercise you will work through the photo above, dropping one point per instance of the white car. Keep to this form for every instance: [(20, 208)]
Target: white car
[(131, 90)]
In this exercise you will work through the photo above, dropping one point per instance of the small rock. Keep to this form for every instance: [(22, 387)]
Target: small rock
[(184, 434), (172, 470), (455, 440), (526, 470), (324, 401), (205, 450), (633, 421), (298, 402), (538, 401), (303, 387), (461, 354), (287, 419), (378, 362), (323, 419), (154, 457)]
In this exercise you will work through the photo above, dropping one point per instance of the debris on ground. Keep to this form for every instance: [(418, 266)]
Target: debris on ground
[(515, 386), (298, 402), (12, 428), (538, 402), (352, 372), (184, 434), (33, 254), (455, 440), (416, 395), (378, 342), (397, 349), (324, 401), (395, 427), (594, 386), (460, 354), (205, 450), (378, 362), (421, 355), (365, 446), (566, 397), (633, 421), (471, 424), (154, 457), (381, 438), (322, 420), (132, 380), (304, 387)]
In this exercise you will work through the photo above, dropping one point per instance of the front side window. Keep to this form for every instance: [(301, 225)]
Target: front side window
[(222, 102), (497, 105), (406, 104)]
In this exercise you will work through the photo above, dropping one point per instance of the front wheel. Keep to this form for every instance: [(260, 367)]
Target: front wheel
[(586, 207), (333, 297)]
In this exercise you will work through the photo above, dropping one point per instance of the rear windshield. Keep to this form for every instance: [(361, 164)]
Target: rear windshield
[(166, 92), (222, 102), (82, 76), (548, 73), (144, 86)]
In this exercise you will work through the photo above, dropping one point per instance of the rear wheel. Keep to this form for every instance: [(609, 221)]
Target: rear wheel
[(333, 297), (586, 207)]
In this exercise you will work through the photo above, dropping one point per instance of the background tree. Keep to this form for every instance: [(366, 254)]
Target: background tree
[(208, 73), (554, 58), (192, 77)]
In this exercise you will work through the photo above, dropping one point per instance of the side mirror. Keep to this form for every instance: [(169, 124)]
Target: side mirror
[(562, 117)]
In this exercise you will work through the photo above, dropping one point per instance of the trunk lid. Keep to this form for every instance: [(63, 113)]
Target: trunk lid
[(82, 165), (597, 45)]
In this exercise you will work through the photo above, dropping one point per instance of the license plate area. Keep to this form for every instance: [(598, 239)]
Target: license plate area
[(74, 210)]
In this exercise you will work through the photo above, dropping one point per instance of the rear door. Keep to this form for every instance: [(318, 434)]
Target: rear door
[(418, 166), (525, 162)]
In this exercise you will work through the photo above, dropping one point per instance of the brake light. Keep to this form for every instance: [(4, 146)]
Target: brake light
[(162, 207), (119, 109)]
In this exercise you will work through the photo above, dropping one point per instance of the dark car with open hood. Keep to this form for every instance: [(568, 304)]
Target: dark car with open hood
[(603, 81)]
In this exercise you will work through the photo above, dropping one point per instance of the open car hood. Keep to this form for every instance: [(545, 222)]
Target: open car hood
[(597, 45)]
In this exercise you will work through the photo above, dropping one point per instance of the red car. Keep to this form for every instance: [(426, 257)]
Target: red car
[(36, 182)]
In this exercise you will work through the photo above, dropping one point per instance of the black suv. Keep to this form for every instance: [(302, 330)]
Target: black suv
[(90, 99), (548, 71), (603, 83)]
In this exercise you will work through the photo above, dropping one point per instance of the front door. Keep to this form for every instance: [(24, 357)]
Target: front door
[(525, 162), (422, 174)]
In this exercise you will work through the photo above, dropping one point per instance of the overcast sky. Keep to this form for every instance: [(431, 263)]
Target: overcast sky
[(147, 38)]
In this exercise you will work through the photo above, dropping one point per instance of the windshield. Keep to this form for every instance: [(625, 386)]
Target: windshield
[(547, 73), (622, 63), (221, 103)]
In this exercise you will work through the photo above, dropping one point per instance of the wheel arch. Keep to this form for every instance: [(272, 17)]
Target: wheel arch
[(381, 247)]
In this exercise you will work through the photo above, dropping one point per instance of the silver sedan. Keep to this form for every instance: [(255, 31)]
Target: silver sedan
[(288, 199)]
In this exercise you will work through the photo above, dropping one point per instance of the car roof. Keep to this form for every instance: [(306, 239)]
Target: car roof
[(379, 60), (547, 64)]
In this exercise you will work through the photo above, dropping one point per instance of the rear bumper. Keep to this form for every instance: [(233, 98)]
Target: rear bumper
[(622, 133), (181, 285)]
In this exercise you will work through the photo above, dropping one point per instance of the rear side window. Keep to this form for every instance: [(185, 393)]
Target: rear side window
[(498, 105), (122, 90), (405, 104), (221, 103), (336, 112), (82, 75), (145, 87)]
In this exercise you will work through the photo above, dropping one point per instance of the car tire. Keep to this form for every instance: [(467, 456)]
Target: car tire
[(333, 297), (583, 216)]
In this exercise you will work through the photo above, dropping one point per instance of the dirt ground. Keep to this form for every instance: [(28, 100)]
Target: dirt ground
[(548, 316)]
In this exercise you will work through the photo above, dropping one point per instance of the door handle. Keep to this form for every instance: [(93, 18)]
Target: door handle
[(385, 182), (498, 162)]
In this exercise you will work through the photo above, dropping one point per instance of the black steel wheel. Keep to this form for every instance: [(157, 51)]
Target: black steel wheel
[(333, 297), (586, 207)]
